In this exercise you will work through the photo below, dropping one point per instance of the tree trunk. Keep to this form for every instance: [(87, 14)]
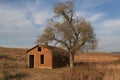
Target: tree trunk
[(71, 60)]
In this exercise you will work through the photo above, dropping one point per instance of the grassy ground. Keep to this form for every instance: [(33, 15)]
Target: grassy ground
[(92, 66)]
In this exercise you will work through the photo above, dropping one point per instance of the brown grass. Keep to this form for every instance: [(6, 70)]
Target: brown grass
[(90, 66), (12, 57), (96, 57)]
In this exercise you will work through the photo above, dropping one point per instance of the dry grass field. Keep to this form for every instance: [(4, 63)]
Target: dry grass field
[(88, 66), (96, 57)]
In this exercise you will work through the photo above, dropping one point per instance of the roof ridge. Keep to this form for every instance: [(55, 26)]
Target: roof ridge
[(53, 48)]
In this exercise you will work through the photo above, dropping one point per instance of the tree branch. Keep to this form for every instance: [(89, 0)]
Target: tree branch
[(60, 41)]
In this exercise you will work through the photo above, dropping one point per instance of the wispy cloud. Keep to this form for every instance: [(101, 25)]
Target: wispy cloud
[(108, 33), (108, 43), (87, 4), (15, 25), (112, 25), (22, 24), (106, 28), (40, 17), (96, 17)]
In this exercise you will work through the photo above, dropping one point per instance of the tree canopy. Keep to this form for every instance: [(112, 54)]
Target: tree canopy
[(70, 31)]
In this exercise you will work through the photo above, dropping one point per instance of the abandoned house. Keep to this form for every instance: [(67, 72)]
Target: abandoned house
[(50, 57)]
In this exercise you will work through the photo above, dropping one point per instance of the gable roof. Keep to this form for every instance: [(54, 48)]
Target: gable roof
[(31, 48), (52, 48)]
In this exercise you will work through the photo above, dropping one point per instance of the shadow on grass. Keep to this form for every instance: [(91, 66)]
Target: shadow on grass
[(19, 75), (14, 76)]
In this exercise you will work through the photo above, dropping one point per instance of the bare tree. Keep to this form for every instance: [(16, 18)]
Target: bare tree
[(67, 29)]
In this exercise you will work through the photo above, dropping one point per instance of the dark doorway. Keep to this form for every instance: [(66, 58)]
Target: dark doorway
[(31, 61)]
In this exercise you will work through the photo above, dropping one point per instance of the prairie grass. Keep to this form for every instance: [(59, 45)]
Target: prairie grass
[(88, 66), (12, 58)]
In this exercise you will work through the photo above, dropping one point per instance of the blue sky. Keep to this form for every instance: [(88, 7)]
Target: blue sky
[(22, 21)]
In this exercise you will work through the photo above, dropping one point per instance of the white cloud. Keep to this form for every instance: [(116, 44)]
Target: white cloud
[(38, 15), (10, 18), (92, 3), (108, 33), (111, 25), (96, 17), (82, 14), (109, 43), (16, 25), (41, 17), (90, 16)]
